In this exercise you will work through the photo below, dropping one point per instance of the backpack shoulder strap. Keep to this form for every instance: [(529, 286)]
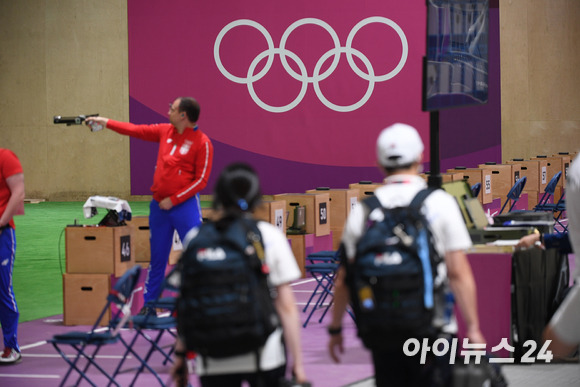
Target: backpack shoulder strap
[(416, 204), (418, 200), (254, 237), (372, 203)]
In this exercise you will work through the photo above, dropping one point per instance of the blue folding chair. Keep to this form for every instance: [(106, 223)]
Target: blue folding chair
[(559, 208), (475, 189), (122, 296), (546, 202), (322, 256), (160, 325), (322, 267), (514, 193), (323, 271)]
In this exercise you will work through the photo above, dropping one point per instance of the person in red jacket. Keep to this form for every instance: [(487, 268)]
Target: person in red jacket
[(11, 203), (182, 170)]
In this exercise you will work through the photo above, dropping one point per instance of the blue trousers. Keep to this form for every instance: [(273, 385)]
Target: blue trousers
[(8, 310), (162, 225)]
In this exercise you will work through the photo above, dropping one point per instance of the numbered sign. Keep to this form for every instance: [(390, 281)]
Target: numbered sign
[(353, 202), (279, 219), (323, 213), (487, 184), (544, 175), (125, 248)]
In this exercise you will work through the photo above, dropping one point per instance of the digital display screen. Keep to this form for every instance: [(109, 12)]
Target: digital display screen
[(456, 64)]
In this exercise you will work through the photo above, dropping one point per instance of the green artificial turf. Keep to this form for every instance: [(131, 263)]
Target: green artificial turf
[(40, 254)]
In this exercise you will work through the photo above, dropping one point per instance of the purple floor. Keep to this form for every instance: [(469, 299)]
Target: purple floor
[(42, 366)]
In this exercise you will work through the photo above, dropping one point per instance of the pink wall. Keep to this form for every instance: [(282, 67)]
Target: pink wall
[(275, 83)]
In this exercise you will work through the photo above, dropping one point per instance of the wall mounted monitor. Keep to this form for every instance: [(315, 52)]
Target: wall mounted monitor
[(455, 67)]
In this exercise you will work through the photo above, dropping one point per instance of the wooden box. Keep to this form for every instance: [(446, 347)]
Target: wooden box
[(316, 205), (272, 211), (567, 159), (99, 250), (306, 244), (365, 188), (477, 175), (536, 172), (341, 202), (336, 236), (503, 178), (84, 297), (298, 245), (447, 177), (556, 164), (141, 238)]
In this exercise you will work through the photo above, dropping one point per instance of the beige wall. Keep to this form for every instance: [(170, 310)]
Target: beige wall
[(540, 82), (65, 57), (68, 57)]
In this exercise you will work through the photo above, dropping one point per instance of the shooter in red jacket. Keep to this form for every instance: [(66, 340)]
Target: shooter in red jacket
[(183, 166)]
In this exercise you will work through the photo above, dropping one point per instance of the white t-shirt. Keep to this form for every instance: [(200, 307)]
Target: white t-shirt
[(283, 269)]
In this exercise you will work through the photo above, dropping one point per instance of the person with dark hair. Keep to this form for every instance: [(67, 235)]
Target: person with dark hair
[(190, 107), (399, 154), (11, 203), (182, 170), (236, 194), (237, 189)]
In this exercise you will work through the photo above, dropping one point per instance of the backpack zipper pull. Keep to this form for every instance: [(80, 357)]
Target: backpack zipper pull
[(402, 235)]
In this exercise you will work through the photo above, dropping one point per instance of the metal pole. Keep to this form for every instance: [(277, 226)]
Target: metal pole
[(434, 179)]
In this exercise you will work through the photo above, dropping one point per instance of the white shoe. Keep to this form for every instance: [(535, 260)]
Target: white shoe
[(10, 356)]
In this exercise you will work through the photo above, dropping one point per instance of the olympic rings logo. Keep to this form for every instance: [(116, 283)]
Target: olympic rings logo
[(316, 77)]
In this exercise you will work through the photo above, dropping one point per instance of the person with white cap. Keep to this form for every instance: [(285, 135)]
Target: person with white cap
[(399, 155)]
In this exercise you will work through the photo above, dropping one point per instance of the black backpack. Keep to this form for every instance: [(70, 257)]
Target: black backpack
[(224, 307), (391, 279)]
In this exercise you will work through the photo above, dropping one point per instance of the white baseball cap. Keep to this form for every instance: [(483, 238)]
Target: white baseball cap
[(399, 145)]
